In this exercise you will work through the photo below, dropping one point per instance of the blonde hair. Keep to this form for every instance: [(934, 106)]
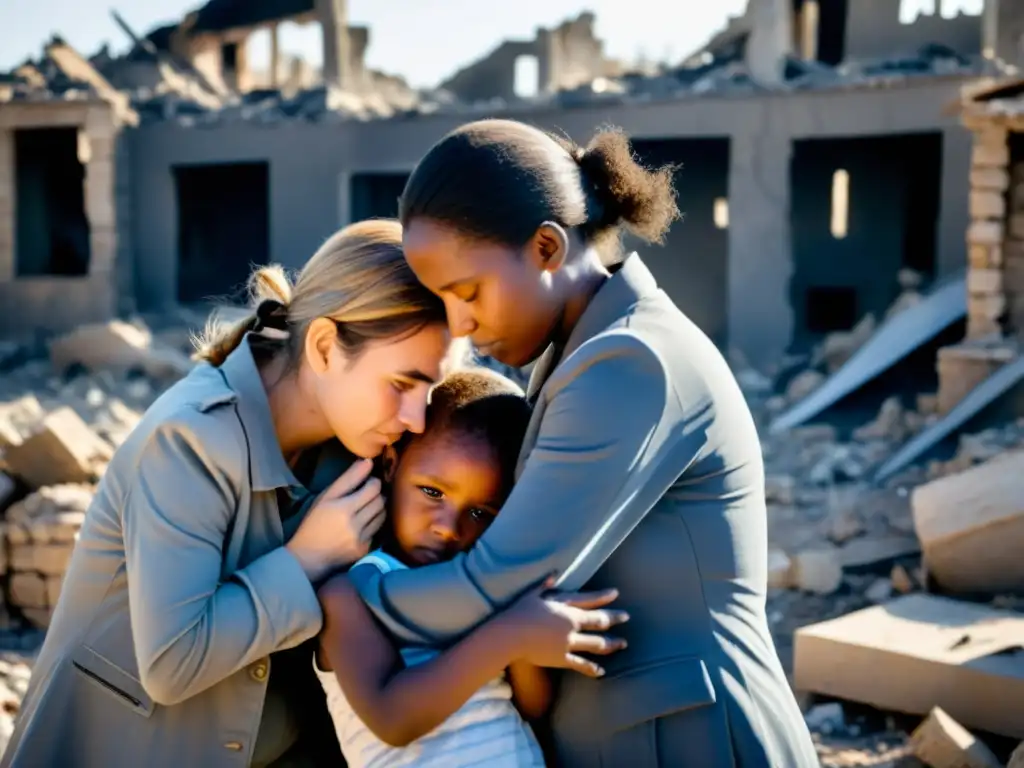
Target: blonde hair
[(358, 278)]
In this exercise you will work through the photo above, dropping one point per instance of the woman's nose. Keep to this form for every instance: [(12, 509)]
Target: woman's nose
[(413, 411), (460, 319)]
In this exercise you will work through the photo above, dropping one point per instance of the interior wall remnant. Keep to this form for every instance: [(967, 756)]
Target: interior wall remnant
[(1013, 250), (692, 265), (874, 30), (51, 228), (375, 195), (1003, 36), (567, 56), (223, 227), (862, 209)]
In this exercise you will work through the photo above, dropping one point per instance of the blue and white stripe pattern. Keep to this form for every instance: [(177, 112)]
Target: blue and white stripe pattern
[(486, 731)]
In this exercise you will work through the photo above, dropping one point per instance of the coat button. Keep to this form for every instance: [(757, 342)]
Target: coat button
[(234, 746), (259, 672)]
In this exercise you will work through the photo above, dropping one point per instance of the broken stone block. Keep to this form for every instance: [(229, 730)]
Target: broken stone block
[(817, 571), (63, 450), (120, 347), (803, 384), (928, 403), (17, 420), (962, 367), (51, 559), (996, 179), (987, 204), (890, 424), (941, 742), (985, 256), (28, 590), (838, 347), (917, 652), (51, 515), (985, 232), (990, 155), (984, 281), (971, 526)]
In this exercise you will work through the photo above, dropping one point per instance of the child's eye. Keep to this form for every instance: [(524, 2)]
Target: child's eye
[(431, 493), (481, 516)]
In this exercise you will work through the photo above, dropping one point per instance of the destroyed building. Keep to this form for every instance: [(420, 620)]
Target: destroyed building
[(817, 155)]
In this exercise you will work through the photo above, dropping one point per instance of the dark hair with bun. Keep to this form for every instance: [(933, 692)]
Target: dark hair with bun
[(499, 180)]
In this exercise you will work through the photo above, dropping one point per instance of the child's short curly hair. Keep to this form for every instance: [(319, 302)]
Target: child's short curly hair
[(479, 403)]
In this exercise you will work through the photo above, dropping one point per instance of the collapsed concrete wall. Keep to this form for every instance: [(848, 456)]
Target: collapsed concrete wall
[(874, 30)]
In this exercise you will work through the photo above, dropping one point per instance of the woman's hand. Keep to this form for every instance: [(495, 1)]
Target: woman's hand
[(338, 529), (552, 629)]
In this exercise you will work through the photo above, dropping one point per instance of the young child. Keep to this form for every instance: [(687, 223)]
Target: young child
[(414, 706)]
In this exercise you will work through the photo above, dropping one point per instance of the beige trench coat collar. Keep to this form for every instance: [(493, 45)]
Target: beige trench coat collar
[(269, 469)]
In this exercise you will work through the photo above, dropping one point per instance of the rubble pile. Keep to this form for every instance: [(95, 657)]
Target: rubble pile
[(871, 584), (61, 418)]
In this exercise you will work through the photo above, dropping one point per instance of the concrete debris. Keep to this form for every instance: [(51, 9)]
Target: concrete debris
[(120, 348), (971, 526), (839, 347), (941, 742), (1017, 758)]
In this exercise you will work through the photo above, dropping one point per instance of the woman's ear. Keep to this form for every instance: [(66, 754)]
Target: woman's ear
[(549, 246), (321, 341)]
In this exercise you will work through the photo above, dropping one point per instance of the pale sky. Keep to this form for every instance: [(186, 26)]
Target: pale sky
[(422, 40)]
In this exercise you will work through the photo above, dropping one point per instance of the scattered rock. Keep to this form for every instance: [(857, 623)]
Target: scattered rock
[(941, 742), (118, 347), (803, 384), (1017, 758), (818, 571)]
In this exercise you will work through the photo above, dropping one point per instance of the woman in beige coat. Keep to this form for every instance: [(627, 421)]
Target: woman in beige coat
[(196, 567)]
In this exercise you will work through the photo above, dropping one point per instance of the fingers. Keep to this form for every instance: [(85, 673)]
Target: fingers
[(600, 645), (370, 517), (588, 600), (349, 479), (583, 666), (597, 621), (369, 492)]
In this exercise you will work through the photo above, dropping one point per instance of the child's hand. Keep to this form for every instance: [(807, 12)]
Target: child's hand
[(550, 630), (338, 529)]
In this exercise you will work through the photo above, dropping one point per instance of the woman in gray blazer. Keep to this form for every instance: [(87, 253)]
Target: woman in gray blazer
[(642, 467), (192, 577)]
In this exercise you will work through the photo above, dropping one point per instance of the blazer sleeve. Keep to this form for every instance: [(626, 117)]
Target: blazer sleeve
[(603, 410), (190, 629)]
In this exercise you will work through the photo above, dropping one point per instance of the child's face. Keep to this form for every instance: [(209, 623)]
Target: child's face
[(445, 491)]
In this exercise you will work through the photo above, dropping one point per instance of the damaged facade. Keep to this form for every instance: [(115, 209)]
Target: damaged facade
[(817, 157)]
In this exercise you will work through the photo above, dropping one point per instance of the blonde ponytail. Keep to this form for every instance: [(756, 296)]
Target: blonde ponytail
[(358, 278)]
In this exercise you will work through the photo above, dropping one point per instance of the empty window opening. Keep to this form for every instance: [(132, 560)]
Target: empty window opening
[(229, 56), (829, 309), (721, 212), (376, 195), (51, 226), (910, 10), (223, 228), (526, 77), (840, 204)]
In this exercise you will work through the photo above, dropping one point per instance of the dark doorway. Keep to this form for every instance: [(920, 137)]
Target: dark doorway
[(861, 210), (375, 195), (692, 266), (51, 229), (223, 228)]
